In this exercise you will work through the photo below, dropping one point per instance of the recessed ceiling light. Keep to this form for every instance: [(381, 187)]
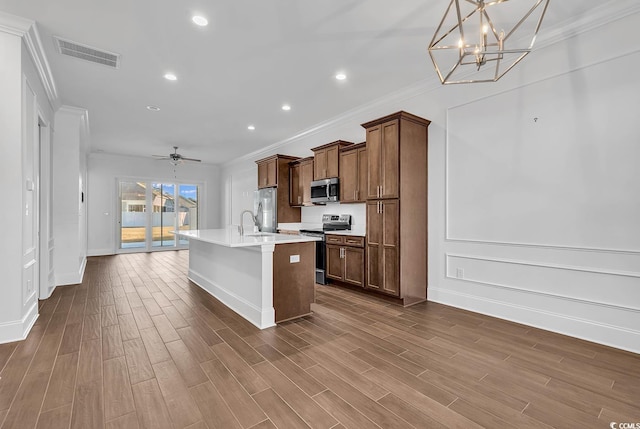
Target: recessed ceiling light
[(341, 76), (170, 76), (251, 127), (200, 20), (153, 108), (286, 107)]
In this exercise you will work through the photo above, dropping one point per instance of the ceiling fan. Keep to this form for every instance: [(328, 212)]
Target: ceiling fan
[(175, 158)]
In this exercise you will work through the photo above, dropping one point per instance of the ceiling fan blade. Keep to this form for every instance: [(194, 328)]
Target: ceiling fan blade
[(190, 159), (160, 157)]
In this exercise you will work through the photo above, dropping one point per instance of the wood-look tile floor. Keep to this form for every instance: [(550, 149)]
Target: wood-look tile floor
[(137, 345)]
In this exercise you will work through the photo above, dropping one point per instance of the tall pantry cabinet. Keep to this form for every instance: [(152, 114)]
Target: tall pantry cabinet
[(396, 255)]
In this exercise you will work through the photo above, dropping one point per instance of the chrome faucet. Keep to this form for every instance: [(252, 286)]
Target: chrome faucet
[(253, 218)]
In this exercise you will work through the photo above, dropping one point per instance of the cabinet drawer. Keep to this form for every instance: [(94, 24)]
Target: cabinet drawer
[(354, 241), (334, 239)]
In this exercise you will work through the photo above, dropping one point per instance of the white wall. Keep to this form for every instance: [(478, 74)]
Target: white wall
[(69, 212), (11, 147), (24, 100), (102, 198), (539, 218)]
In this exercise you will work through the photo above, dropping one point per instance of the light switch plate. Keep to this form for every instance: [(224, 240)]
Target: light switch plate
[(294, 259)]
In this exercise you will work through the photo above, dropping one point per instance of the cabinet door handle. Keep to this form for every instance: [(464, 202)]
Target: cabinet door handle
[(357, 194), (381, 207)]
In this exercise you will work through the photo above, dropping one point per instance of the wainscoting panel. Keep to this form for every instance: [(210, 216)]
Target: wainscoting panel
[(597, 305), (541, 165)]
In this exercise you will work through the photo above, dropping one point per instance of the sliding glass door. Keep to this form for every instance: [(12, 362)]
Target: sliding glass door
[(164, 215), (187, 209), (133, 218), (150, 211)]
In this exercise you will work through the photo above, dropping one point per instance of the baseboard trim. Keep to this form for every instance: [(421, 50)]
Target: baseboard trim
[(83, 266), (100, 252), (589, 330), (19, 329), (247, 310)]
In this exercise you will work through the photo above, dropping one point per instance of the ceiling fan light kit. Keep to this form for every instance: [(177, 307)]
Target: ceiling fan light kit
[(480, 41), (175, 158)]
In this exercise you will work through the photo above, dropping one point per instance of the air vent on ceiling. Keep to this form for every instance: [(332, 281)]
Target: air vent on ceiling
[(84, 52)]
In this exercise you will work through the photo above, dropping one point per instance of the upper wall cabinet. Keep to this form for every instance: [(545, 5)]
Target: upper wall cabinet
[(300, 178), (353, 174), (274, 172), (383, 148), (268, 172), (326, 162)]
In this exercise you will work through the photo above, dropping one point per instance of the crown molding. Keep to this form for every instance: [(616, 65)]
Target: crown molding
[(604, 14), (28, 31), (15, 25)]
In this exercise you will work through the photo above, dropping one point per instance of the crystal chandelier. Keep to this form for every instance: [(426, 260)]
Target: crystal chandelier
[(479, 41)]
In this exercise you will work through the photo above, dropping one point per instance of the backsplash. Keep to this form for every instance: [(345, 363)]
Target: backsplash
[(358, 212)]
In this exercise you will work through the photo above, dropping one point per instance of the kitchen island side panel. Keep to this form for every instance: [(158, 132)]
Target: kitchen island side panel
[(240, 277), (293, 280)]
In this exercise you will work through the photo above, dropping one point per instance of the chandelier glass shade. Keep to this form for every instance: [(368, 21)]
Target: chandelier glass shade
[(480, 41)]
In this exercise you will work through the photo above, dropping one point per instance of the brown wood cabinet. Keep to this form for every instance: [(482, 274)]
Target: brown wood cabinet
[(293, 284), (353, 174), (345, 259), (383, 246), (397, 206), (326, 162), (268, 172), (274, 172), (383, 143), (300, 178)]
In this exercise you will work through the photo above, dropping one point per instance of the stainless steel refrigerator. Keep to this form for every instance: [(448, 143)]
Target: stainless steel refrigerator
[(265, 209)]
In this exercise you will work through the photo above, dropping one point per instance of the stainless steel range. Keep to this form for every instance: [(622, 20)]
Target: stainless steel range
[(330, 222)]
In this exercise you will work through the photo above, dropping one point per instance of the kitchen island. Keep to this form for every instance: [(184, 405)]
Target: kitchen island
[(266, 278)]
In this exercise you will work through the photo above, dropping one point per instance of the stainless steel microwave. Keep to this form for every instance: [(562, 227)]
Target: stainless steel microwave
[(325, 191)]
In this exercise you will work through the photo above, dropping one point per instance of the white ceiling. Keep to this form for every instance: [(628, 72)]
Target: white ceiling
[(254, 56)]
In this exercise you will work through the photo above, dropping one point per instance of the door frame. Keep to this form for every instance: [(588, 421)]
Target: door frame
[(45, 190), (148, 247)]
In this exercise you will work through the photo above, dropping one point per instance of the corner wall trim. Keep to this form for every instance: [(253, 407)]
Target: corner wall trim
[(19, 329), (28, 30)]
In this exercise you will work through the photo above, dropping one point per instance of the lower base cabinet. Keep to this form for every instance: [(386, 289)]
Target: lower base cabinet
[(345, 259)]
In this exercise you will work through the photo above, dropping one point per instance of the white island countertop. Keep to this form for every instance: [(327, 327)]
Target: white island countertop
[(231, 238)]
